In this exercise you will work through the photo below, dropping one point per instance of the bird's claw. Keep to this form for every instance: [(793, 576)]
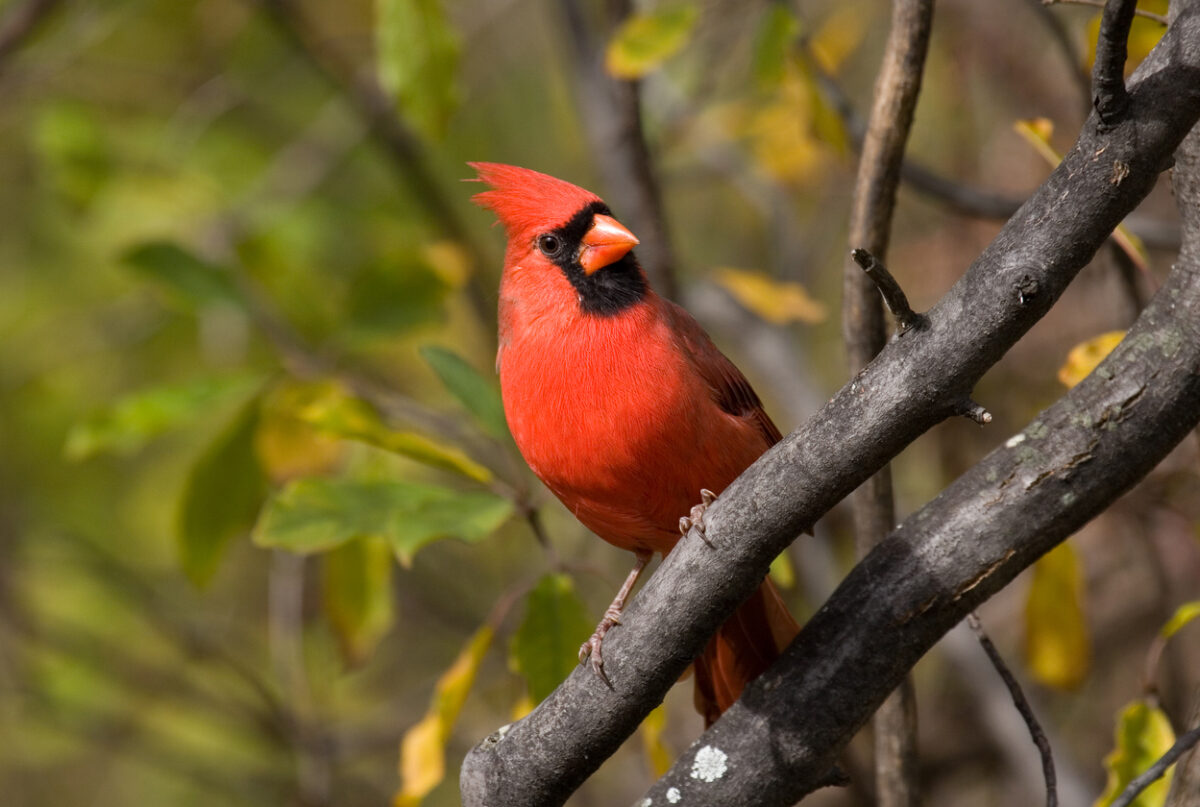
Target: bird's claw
[(592, 646), (696, 517)]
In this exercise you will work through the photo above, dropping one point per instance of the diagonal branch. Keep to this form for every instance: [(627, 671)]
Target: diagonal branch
[(21, 23), (915, 382)]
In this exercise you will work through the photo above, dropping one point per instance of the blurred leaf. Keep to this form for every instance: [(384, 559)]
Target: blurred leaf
[(336, 412), (1143, 735), (127, 424), (1183, 615), (478, 394), (423, 748), (358, 595), (777, 31), (1143, 35), (522, 707), (417, 52), (1037, 132), (1084, 357), (221, 497), (839, 35), (657, 753), (546, 646), (778, 302), (71, 144), (647, 39), (313, 515), (1057, 646), (189, 281), (449, 261), (288, 446), (782, 571), (395, 296)]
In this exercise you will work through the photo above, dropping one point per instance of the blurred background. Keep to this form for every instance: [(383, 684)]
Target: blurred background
[(264, 538)]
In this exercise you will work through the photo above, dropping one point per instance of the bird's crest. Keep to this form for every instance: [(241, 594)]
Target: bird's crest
[(527, 201)]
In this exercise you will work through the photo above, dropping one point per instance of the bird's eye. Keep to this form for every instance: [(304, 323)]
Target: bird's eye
[(549, 245)]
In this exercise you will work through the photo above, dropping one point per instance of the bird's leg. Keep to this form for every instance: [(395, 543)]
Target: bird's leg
[(612, 616), (696, 518)]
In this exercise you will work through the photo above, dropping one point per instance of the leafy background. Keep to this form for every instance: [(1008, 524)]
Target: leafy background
[(264, 536)]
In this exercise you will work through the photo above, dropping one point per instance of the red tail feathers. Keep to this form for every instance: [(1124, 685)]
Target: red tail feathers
[(741, 650)]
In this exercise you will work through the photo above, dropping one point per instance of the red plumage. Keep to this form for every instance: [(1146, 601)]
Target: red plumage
[(624, 414)]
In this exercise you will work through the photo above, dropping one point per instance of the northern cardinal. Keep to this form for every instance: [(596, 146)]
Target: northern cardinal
[(621, 404)]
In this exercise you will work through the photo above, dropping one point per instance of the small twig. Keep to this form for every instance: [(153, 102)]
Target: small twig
[(1014, 689), (893, 295), (21, 23), (974, 411), (1150, 15), (1109, 96), (1140, 783)]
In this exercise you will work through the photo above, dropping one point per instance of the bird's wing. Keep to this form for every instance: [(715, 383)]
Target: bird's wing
[(730, 389)]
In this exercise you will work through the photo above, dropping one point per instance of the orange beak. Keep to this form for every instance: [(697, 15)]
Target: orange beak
[(607, 242)]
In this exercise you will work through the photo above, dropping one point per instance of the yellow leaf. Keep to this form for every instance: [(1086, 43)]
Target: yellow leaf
[(358, 595), (286, 446), (450, 262), (839, 35), (1183, 615), (782, 571), (657, 753), (1084, 357), (1057, 645), (1143, 735), (776, 301), (646, 40), (423, 748), (523, 706), (1143, 35)]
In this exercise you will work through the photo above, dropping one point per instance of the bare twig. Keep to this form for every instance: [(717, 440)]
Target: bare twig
[(893, 296), (1018, 696), (1185, 784), (1109, 96), (22, 22), (1155, 771), (974, 411), (878, 179), (1150, 15), (612, 115)]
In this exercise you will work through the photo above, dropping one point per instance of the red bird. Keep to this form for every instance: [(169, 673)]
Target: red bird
[(621, 404)]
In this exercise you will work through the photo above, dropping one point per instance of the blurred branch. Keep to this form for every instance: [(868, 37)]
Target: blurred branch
[(863, 331), (393, 135), (20, 23), (612, 118), (1150, 15), (1066, 44), (947, 558), (1018, 697)]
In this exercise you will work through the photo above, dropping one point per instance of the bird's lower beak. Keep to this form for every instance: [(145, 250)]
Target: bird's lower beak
[(607, 242)]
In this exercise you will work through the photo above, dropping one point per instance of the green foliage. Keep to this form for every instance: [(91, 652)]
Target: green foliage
[(477, 394), (545, 647), (222, 496), (1143, 735), (315, 515), (417, 52), (358, 595), (189, 281), (773, 43), (646, 40)]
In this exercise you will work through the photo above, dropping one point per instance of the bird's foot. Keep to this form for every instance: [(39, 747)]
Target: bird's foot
[(696, 517), (612, 618)]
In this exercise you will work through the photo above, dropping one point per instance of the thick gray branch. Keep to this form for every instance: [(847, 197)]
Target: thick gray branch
[(915, 382)]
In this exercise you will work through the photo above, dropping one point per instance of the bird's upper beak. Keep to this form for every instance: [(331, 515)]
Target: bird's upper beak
[(605, 243)]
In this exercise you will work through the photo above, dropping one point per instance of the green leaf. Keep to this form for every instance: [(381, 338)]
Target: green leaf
[(777, 30), (313, 515), (333, 411), (1057, 643), (417, 52), (646, 40), (222, 496), (358, 595), (127, 424), (1143, 735), (1183, 615), (72, 145), (545, 648), (479, 395), (188, 280)]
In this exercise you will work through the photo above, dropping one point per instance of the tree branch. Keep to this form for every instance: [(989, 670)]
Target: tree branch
[(865, 279), (1109, 95), (914, 383), (21, 23)]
